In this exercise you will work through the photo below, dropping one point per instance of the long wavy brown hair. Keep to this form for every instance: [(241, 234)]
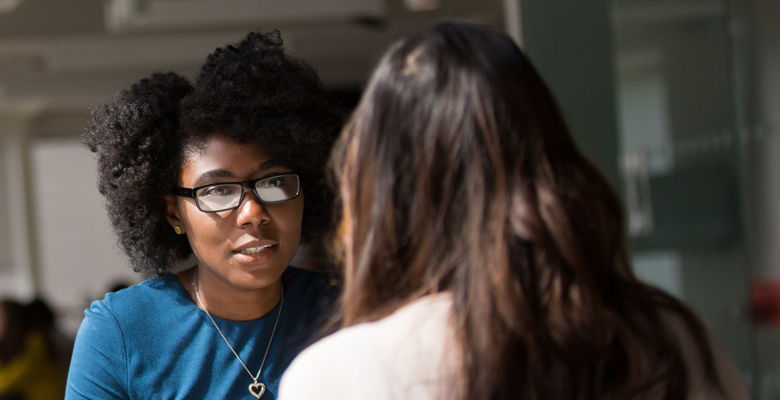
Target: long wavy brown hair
[(458, 173)]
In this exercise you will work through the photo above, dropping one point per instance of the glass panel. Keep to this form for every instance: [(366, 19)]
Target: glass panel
[(757, 69), (681, 161)]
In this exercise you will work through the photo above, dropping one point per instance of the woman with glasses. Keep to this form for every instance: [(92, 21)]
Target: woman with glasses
[(225, 174), (484, 255)]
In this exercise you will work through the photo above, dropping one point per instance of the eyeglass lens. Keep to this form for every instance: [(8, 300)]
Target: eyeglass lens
[(225, 196)]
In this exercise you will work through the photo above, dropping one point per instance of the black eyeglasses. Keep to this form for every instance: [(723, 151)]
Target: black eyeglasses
[(225, 196)]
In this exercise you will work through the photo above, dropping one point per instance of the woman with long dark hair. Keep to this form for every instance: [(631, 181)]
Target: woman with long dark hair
[(485, 256)]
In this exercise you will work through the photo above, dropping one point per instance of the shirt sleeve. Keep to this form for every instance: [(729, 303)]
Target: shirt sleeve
[(98, 367)]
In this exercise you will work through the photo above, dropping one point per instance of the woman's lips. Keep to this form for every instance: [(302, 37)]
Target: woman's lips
[(255, 250), (254, 254)]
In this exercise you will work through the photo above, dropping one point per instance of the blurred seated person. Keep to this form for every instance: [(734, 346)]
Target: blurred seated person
[(42, 318), (29, 368)]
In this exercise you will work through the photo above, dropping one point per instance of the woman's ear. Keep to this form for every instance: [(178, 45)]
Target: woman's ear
[(173, 216)]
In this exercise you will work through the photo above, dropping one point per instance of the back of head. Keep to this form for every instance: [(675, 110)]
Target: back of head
[(457, 173), (40, 315), (457, 148)]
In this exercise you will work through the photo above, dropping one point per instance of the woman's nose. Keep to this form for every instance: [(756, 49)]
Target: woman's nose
[(252, 211)]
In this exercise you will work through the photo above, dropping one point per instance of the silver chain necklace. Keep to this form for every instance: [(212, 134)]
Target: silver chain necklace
[(256, 388)]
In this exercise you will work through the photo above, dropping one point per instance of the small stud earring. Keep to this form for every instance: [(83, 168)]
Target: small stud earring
[(178, 230)]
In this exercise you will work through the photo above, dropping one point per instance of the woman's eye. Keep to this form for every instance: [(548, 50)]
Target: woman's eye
[(272, 183), (221, 190)]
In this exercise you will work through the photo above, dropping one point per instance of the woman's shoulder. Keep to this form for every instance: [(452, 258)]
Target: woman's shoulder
[(428, 312), (419, 320), (362, 340), (338, 366), (402, 352), (149, 297)]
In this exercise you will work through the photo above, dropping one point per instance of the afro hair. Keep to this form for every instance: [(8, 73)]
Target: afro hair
[(251, 92)]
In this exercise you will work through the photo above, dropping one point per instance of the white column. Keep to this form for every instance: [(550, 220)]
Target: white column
[(513, 17), (16, 197)]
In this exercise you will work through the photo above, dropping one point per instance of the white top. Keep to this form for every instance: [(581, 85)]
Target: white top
[(410, 353)]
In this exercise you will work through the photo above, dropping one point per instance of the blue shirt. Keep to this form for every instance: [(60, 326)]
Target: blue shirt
[(151, 341)]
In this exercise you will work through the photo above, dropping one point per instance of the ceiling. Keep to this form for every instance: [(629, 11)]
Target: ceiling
[(62, 56), (59, 57)]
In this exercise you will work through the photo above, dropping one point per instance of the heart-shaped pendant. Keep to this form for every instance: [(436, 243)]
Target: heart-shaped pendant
[(256, 389)]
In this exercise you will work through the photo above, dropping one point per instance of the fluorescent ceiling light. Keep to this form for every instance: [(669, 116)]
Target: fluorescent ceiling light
[(421, 5), (6, 6), (127, 15)]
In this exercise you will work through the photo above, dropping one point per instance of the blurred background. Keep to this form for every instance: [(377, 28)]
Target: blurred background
[(677, 101)]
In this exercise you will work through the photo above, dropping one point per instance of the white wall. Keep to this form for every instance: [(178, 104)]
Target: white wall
[(16, 277), (78, 258)]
